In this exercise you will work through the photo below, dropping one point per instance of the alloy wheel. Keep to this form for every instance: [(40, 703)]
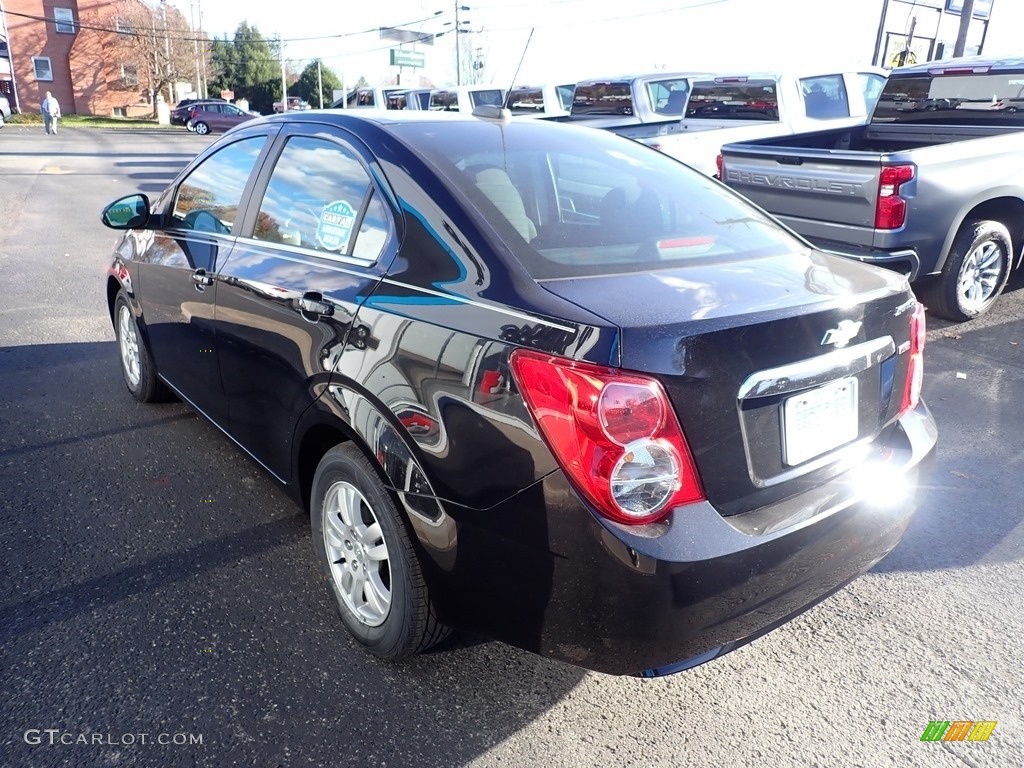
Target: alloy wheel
[(979, 276), (358, 555), (128, 339)]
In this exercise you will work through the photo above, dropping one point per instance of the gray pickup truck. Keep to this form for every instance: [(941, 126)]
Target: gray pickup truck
[(933, 185)]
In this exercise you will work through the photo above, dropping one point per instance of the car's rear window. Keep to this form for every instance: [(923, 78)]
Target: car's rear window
[(602, 99), (953, 99), (526, 101), (491, 96), (574, 201), (444, 101), (734, 99)]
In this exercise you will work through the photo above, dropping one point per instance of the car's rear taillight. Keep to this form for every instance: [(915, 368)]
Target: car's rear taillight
[(719, 163), (614, 434), (891, 212), (915, 371)]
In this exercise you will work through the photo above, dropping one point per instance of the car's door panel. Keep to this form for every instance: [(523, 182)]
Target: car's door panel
[(179, 312), (316, 234), (176, 269)]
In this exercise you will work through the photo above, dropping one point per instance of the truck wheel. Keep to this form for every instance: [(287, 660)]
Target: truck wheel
[(368, 560), (976, 271)]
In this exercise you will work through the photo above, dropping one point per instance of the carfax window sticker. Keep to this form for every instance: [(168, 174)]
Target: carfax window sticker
[(335, 227)]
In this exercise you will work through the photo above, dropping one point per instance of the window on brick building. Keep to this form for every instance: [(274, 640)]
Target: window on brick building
[(65, 20), (130, 75), (41, 65), (122, 26)]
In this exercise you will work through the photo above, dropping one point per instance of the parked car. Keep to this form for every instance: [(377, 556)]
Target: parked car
[(541, 100), (5, 110), (636, 106), (930, 187), (748, 105), (206, 117), (182, 112), (417, 98), (295, 103), (372, 98), (530, 380), (465, 98), (183, 109)]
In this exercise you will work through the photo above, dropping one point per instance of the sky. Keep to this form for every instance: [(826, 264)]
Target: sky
[(577, 39)]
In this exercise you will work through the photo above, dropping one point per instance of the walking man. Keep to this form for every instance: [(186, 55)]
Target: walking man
[(51, 111)]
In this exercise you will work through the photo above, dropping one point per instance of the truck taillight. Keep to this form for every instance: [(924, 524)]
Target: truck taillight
[(915, 371), (891, 212), (612, 432), (719, 163)]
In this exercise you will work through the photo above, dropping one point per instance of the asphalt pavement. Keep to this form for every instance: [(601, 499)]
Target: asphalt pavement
[(159, 587)]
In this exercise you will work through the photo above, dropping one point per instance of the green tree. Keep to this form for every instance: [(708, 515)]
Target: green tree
[(224, 66), (306, 86), (249, 66)]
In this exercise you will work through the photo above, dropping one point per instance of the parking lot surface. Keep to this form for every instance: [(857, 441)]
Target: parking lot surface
[(158, 582)]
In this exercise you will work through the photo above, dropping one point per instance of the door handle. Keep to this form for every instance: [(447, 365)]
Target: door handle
[(313, 303), (201, 279)]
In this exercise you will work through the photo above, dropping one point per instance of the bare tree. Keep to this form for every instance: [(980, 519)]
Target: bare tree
[(159, 42)]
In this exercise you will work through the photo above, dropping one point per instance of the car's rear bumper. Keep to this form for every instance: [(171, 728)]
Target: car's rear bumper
[(903, 260), (661, 598)]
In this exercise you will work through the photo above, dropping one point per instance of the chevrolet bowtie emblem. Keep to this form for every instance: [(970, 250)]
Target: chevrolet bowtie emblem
[(842, 333)]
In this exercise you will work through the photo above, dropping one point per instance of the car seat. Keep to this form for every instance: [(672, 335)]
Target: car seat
[(497, 187)]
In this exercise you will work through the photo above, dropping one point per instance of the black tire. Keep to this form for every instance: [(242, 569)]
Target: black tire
[(409, 625), (201, 128), (140, 378), (945, 296)]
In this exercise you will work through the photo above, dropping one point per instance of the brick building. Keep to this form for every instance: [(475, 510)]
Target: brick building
[(70, 48)]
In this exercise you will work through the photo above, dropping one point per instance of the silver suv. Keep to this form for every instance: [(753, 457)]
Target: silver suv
[(5, 110)]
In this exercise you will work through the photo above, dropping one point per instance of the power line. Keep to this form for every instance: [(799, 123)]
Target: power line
[(189, 39)]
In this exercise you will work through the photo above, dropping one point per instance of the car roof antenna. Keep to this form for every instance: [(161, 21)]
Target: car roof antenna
[(508, 93), (502, 113)]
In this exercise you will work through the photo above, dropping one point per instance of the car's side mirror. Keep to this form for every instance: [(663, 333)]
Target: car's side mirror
[(130, 212)]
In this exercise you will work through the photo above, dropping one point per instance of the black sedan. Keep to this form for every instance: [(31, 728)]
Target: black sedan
[(530, 380)]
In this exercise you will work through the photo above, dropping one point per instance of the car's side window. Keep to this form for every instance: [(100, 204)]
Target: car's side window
[(373, 230), (209, 197), (320, 197)]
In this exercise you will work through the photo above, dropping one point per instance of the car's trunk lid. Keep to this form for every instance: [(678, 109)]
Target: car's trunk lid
[(776, 366)]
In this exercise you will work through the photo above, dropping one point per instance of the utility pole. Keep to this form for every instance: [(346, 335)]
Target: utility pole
[(907, 43), (877, 58), (965, 24), (320, 83), (156, 68), (195, 40), (199, 12), (167, 55), (458, 44), (284, 76), (458, 40)]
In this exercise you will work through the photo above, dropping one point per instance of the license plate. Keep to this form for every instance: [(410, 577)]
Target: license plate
[(819, 420)]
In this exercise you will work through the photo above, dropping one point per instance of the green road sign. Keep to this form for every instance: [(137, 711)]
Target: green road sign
[(400, 58)]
